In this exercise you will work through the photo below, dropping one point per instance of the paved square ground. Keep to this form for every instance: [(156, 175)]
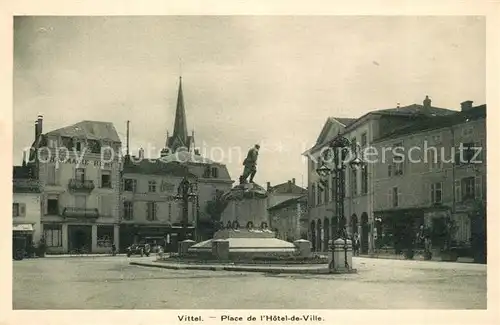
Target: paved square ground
[(111, 283)]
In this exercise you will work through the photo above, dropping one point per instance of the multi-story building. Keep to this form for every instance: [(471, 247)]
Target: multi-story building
[(26, 206), (289, 218), (180, 152), (283, 192), (358, 203), (432, 181), (78, 167), (150, 209)]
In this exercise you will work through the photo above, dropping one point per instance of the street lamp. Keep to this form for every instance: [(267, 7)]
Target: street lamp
[(333, 161), (186, 192)]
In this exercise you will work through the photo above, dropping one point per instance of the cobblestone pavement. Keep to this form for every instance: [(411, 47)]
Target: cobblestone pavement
[(111, 283)]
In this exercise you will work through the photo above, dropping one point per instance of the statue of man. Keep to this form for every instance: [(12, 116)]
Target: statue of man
[(250, 164)]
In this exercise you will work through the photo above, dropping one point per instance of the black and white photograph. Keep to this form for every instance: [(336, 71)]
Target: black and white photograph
[(249, 162)]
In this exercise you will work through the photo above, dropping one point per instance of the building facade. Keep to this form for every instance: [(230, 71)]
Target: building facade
[(151, 210), (78, 168), (359, 191), (289, 219), (442, 175), (26, 206), (283, 192)]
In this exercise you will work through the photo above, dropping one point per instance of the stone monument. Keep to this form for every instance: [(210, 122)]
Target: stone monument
[(245, 221)]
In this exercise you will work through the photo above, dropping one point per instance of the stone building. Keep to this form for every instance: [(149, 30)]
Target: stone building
[(359, 192), (150, 210), (78, 167), (26, 205), (283, 192), (212, 177), (289, 219), (431, 182)]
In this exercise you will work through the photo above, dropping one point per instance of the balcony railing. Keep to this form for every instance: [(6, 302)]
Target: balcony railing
[(79, 185), (72, 212), (25, 186)]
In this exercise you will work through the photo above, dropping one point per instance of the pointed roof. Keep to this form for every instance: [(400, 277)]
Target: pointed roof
[(91, 130), (180, 123)]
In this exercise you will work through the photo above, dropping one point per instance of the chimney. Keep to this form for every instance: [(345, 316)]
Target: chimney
[(398, 105), (467, 105), (36, 130), (289, 186), (268, 186), (141, 154), (427, 105), (40, 124), (293, 181)]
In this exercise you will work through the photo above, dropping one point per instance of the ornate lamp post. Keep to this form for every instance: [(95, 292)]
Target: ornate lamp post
[(334, 161), (186, 192)]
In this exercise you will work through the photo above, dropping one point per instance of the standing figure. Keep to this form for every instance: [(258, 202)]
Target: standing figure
[(250, 164)]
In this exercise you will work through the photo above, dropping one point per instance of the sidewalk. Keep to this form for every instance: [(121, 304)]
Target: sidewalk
[(290, 269), (393, 256), (81, 255)]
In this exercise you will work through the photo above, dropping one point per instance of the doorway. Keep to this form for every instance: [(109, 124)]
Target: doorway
[(79, 237)]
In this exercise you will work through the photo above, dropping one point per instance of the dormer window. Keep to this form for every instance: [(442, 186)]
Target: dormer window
[(215, 172)]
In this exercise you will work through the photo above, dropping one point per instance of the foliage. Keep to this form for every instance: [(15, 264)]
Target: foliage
[(215, 207)]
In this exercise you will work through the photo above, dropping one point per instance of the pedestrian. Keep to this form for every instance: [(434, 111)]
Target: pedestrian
[(356, 244)]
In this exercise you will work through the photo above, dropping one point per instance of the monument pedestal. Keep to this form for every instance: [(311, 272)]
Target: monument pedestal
[(246, 227)]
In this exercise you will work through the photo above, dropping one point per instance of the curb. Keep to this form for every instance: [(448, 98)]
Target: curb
[(287, 270)]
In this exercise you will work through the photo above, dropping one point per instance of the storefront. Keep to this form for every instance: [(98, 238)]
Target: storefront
[(22, 239)]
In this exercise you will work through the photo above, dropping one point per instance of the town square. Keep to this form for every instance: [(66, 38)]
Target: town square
[(217, 162)]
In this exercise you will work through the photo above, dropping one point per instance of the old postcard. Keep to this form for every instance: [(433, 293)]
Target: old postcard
[(249, 167)]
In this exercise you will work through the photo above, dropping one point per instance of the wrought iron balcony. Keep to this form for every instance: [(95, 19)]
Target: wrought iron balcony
[(25, 185), (72, 212), (79, 185)]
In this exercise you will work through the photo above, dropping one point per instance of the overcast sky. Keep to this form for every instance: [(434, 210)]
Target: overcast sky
[(246, 80)]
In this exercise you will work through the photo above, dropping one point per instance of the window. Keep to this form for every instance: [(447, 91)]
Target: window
[(105, 236), (327, 190), (151, 210), (130, 185), (318, 194), (395, 198), (436, 193), (364, 140), (80, 174), (80, 201), (53, 235), (106, 178), (398, 159), (364, 180), (466, 153), (53, 206), (436, 139), (152, 186), (215, 172), (128, 210), (52, 143), (389, 170), (468, 188), (467, 131), (18, 209), (206, 173), (313, 194), (353, 145), (435, 161), (51, 174), (94, 146), (354, 182), (79, 146)]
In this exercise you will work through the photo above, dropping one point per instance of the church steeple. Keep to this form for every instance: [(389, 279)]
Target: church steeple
[(180, 124), (180, 137)]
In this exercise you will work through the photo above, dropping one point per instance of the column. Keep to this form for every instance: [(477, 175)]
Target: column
[(94, 238), (116, 236), (65, 234)]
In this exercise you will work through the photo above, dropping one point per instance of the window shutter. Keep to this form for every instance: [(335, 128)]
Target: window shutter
[(389, 198), (432, 193), (22, 209), (399, 197), (479, 187), (147, 210), (45, 205), (99, 177), (458, 191)]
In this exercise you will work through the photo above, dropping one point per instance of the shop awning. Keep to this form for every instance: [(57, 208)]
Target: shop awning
[(23, 227)]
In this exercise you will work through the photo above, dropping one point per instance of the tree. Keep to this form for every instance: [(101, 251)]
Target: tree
[(215, 207)]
